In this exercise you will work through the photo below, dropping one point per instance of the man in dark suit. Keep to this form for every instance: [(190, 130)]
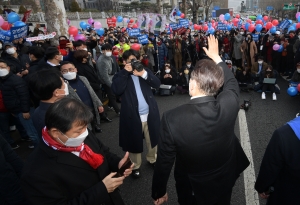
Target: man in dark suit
[(200, 136), (280, 166), (139, 112), (71, 165)]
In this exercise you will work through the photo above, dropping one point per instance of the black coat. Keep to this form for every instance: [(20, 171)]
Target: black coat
[(59, 178), (280, 168), (88, 71), (17, 64), (10, 174), (41, 65), (168, 81), (200, 137), (130, 131), (15, 93)]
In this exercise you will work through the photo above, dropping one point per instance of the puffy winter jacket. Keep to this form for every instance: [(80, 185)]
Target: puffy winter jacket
[(15, 93)]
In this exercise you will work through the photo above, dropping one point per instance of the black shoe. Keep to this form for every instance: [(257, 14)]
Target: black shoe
[(106, 119), (152, 164), (98, 129), (14, 146), (136, 173)]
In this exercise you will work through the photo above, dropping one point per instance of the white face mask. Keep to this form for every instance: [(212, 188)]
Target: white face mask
[(260, 62), (75, 142), (241, 33), (3, 72), (108, 53), (10, 51), (70, 75), (188, 65), (167, 70), (85, 49), (298, 70), (0, 46)]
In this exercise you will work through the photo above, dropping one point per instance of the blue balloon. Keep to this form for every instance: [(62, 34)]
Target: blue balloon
[(273, 30), (259, 17), (19, 23), (229, 27), (120, 19), (13, 17), (247, 25), (298, 18), (100, 31), (290, 21), (178, 13), (227, 16), (258, 27), (211, 30), (209, 25), (280, 49), (83, 25), (292, 91)]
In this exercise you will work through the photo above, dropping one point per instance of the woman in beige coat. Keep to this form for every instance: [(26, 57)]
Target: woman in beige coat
[(249, 50)]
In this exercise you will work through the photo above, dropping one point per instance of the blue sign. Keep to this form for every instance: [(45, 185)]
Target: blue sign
[(240, 24), (18, 32), (284, 24), (222, 26), (216, 8), (5, 36), (270, 8), (255, 37), (143, 39), (133, 32), (174, 26), (184, 23), (213, 14)]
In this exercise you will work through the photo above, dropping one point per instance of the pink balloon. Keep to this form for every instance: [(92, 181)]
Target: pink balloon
[(80, 37), (1, 20), (125, 20), (97, 25), (90, 21), (297, 14), (221, 17), (276, 47)]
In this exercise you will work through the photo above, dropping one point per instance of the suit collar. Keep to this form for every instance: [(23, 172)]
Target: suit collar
[(202, 100)]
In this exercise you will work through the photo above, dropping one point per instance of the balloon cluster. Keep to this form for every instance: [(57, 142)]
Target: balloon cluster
[(13, 20), (293, 91)]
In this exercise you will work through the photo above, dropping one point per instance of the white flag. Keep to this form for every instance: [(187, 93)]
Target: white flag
[(173, 14)]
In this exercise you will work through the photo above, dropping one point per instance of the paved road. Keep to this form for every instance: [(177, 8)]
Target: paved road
[(263, 117)]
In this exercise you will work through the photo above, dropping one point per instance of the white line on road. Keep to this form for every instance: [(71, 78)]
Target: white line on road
[(249, 173)]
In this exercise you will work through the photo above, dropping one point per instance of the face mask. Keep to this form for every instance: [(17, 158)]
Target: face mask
[(108, 54), (186, 72), (10, 51), (298, 70), (188, 65), (0, 46), (3, 72), (75, 142), (131, 41), (85, 49), (241, 33), (70, 75), (260, 62), (167, 70)]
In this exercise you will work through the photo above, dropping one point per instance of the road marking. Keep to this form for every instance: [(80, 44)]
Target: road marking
[(249, 173)]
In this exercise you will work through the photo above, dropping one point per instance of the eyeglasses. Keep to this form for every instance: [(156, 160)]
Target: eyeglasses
[(64, 71)]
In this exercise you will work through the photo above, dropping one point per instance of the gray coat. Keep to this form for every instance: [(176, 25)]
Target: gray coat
[(238, 40), (104, 66), (96, 101), (150, 52)]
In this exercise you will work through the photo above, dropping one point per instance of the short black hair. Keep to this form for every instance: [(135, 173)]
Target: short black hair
[(79, 43), (51, 52), (130, 52), (44, 82), (63, 37), (3, 61), (65, 63), (260, 57), (37, 51), (65, 112), (106, 46), (188, 60)]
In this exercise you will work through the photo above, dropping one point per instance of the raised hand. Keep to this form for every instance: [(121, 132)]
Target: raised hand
[(213, 49)]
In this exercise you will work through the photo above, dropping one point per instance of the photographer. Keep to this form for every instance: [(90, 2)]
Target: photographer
[(139, 111)]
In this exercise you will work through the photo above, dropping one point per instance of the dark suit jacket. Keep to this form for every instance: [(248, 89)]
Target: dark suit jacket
[(280, 168), (200, 136), (88, 71), (55, 177), (130, 131)]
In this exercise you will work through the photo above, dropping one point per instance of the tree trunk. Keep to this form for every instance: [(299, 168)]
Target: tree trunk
[(160, 6), (173, 3), (56, 17), (195, 20), (184, 9)]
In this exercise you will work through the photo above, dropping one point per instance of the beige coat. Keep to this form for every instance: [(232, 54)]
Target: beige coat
[(253, 51)]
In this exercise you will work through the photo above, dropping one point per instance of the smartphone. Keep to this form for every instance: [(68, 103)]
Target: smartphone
[(63, 43), (125, 166)]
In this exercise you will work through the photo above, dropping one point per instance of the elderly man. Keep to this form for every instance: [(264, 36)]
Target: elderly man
[(71, 165), (199, 137)]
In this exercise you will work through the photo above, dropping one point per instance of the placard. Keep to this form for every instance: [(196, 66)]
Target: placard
[(143, 39)]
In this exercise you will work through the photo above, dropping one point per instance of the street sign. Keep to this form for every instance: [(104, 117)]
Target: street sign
[(270, 8), (216, 8), (289, 7)]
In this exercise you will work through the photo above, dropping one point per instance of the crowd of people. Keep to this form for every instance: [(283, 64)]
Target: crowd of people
[(53, 92)]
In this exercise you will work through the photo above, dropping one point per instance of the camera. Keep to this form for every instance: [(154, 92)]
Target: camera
[(136, 65)]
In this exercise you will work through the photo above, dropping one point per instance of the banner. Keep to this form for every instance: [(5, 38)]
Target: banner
[(143, 39), (173, 14), (184, 23), (255, 37), (222, 26), (158, 23), (133, 32), (284, 24), (174, 26), (18, 32), (5, 36), (143, 22), (110, 22), (41, 37), (26, 16)]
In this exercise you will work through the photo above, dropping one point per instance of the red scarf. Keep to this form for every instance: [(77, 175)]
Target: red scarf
[(85, 152)]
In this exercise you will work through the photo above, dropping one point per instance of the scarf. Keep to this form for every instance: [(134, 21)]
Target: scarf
[(85, 152), (295, 125), (176, 43)]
